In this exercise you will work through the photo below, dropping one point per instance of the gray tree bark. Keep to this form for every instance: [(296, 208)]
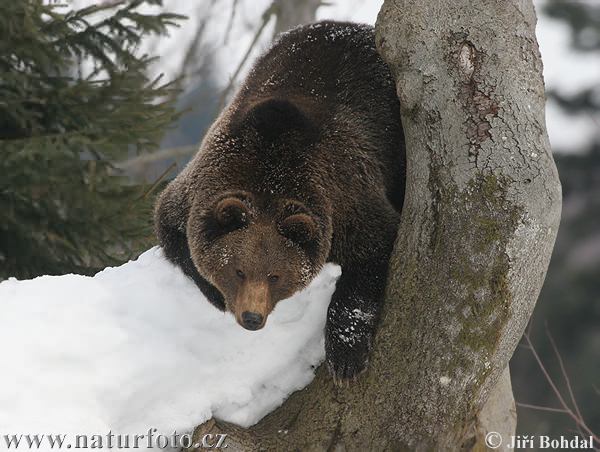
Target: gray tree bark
[(480, 217), (291, 13)]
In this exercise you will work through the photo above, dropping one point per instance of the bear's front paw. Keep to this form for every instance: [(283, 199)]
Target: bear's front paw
[(347, 357)]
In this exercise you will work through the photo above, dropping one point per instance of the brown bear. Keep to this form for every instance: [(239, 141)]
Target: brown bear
[(305, 166)]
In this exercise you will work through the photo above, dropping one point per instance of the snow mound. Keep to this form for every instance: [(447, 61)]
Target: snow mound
[(138, 347)]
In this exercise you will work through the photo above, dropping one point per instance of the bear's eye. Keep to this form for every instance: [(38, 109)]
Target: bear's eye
[(273, 278), (240, 274)]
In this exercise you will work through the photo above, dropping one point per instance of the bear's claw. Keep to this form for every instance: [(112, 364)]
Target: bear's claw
[(345, 374), (346, 364)]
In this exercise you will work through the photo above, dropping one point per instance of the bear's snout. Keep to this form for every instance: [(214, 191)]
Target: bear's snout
[(252, 320), (253, 304)]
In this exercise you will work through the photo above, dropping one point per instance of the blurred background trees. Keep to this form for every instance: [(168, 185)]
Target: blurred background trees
[(569, 305), (86, 131)]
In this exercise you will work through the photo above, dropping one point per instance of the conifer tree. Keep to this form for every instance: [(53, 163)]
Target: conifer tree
[(75, 98)]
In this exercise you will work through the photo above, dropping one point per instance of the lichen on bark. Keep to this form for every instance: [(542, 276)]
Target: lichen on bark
[(482, 206)]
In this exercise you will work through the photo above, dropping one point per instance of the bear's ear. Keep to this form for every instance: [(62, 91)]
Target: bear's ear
[(232, 213), (300, 228)]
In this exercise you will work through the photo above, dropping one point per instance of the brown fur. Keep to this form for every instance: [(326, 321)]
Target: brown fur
[(305, 166)]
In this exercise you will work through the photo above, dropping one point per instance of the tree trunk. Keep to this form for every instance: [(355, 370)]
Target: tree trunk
[(480, 217), (291, 13)]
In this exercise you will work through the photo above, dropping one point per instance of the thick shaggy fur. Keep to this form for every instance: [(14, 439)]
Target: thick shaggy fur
[(306, 165)]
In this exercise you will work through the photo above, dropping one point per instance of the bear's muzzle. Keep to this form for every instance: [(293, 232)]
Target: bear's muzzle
[(253, 304)]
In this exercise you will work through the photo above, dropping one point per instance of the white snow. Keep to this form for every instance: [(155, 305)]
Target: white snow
[(138, 347)]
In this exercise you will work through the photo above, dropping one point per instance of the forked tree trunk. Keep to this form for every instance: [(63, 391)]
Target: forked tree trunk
[(480, 217)]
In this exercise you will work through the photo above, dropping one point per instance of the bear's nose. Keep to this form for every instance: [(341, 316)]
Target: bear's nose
[(251, 320)]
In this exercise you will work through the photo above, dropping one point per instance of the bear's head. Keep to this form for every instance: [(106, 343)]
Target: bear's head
[(256, 251)]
